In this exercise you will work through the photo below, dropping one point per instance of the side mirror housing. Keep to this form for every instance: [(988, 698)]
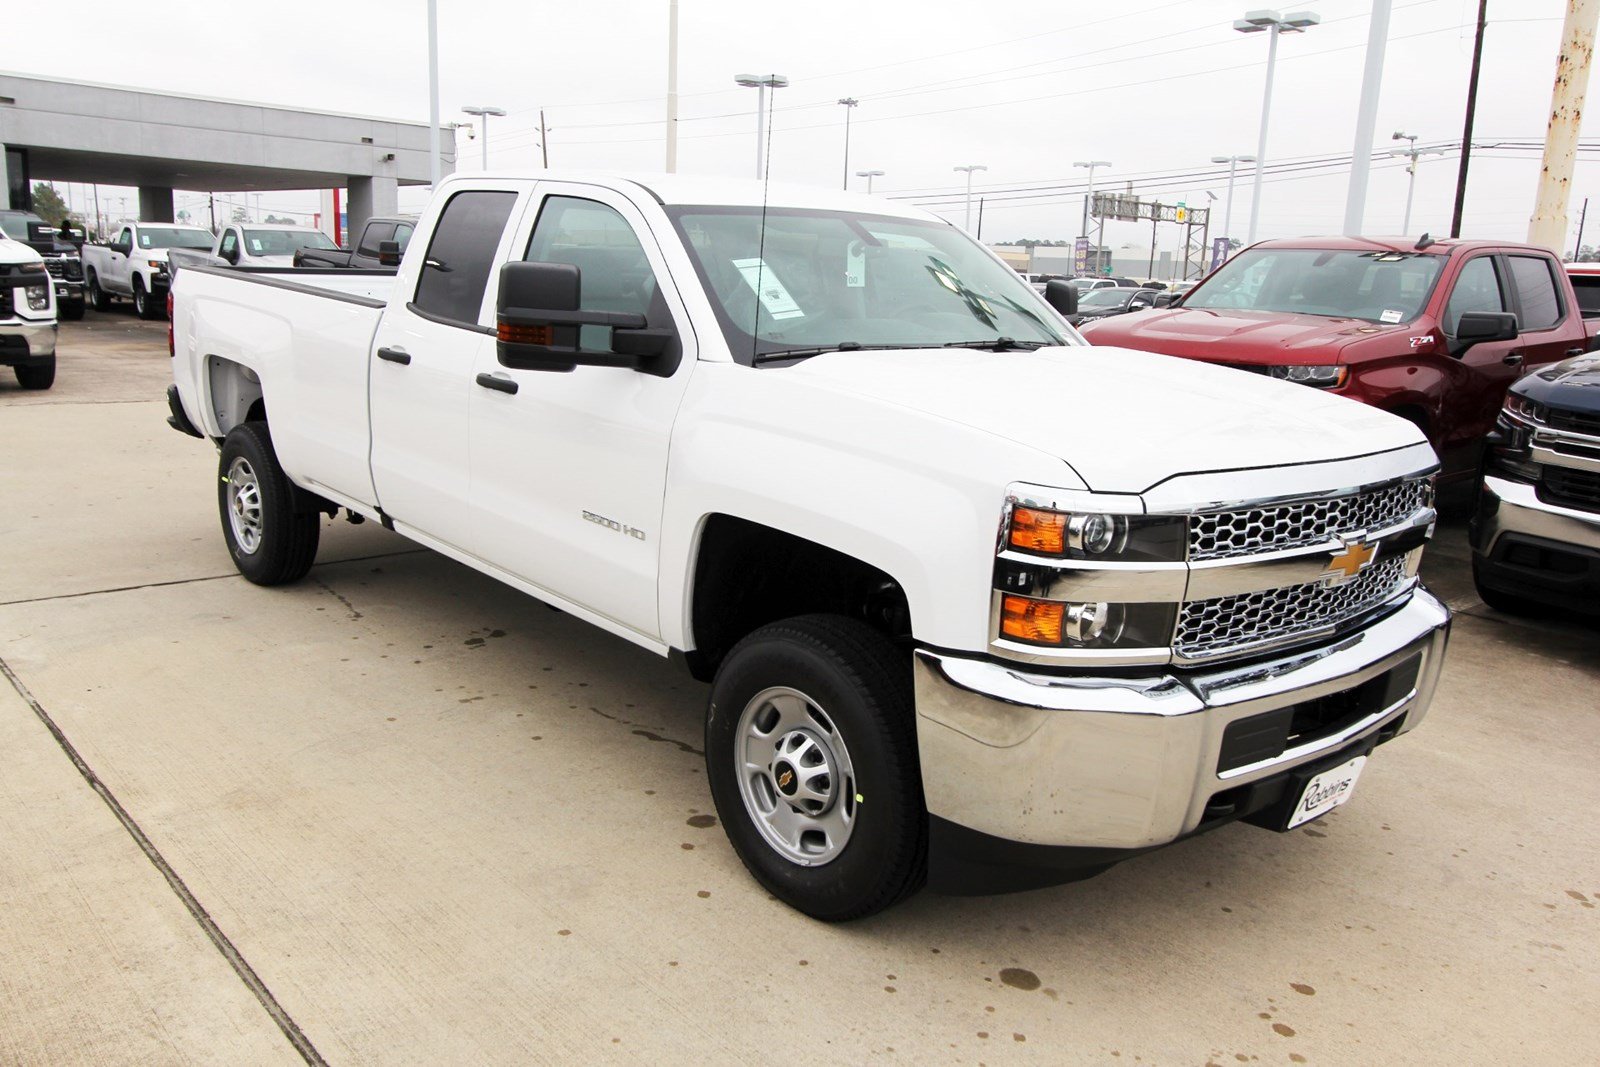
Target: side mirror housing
[(1476, 327), (1165, 300), (1061, 295), (538, 321), (388, 253)]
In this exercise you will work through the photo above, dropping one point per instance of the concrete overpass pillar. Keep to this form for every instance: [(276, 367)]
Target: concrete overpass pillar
[(5, 181), (369, 197), (155, 203)]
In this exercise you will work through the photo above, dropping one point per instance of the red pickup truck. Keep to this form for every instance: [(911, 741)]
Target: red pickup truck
[(1434, 331)]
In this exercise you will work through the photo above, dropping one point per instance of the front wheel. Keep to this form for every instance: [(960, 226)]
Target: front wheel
[(811, 757), (71, 311), (143, 305), (271, 543), (41, 375), (99, 299)]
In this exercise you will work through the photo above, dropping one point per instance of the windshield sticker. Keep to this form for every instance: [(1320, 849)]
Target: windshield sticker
[(855, 266), (255, 245), (1391, 315), (767, 286)]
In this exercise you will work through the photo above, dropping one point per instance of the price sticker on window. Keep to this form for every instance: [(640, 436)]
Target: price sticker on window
[(769, 289)]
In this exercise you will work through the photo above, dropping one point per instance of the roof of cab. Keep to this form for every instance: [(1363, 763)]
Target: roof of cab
[(1438, 246), (693, 190)]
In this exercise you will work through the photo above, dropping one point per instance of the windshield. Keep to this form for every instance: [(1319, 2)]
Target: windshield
[(1375, 286), (284, 242), (828, 278), (173, 237), (1105, 298), (15, 223)]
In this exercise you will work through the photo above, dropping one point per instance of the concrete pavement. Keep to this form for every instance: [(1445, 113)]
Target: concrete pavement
[(441, 823)]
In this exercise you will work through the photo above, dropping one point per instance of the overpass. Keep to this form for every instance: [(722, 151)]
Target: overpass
[(54, 130)]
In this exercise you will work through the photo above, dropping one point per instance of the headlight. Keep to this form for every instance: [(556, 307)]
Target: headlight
[(1086, 624), (157, 264), (1523, 408), (1325, 376), (1097, 536), (38, 297)]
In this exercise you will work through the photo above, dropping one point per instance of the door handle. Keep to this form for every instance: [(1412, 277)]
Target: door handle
[(1575, 351), (497, 383), (1512, 359), (394, 355)]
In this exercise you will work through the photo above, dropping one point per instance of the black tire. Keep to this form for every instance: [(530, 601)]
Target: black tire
[(862, 684), (1506, 603), (38, 376), (284, 540), (71, 311), (99, 299), (144, 305)]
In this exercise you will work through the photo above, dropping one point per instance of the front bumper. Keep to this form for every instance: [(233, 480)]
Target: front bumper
[(1079, 771), (24, 343), (1525, 547)]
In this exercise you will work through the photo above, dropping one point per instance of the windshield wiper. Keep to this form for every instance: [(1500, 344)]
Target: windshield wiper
[(805, 353), (998, 344)]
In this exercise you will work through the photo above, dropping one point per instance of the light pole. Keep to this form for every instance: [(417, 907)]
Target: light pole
[(484, 113), (761, 83), (1411, 152), (1274, 24), (968, 169), (1233, 164), (433, 95), (850, 103), (1088, 196), (869, 175)]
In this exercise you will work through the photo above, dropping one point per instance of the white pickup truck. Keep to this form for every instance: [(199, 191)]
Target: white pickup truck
[(251, 244), (134, 264), (27, 315), (981, 606)]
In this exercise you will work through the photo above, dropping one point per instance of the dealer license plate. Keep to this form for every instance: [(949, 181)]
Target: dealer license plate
[(1327, 791)]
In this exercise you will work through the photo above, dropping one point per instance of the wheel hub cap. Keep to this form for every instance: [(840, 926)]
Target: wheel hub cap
[(244, 505), (795, 776)]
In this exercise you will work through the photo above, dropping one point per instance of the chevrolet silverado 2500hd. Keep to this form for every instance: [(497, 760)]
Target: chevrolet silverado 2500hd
[(27, 315), (979, 604)]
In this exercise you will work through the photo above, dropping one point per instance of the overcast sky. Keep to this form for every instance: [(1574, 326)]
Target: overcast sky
[(1023, 88)]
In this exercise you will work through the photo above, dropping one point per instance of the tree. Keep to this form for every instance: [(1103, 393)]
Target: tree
[(47, 204), (240, 215)]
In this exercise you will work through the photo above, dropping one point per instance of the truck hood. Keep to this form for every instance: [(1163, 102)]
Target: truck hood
[(14, 252), (1255, 337), (1571, 385), (1123, 420)]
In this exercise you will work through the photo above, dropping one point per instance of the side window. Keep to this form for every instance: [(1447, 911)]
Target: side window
[(460, 257), (126, 236), (402, 234), (1477, 289), (613, 273), (230, 242), (1536, 292), (1587, 286), (372, 234)]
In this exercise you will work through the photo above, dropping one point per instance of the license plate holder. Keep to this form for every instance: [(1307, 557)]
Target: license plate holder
[(1320, 793)]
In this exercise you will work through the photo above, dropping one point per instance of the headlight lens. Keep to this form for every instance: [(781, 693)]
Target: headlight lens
[(1523, 408), (1097, 535), (38, 297), (1325, 376), (1086, 624), (157, 264)]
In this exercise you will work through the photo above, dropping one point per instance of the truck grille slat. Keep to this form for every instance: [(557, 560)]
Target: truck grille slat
[(1570, 488), (1271, 528), (1213, 627), (1573, 422)]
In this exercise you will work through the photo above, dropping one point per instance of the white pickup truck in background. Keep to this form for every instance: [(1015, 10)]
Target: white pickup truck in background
[(980, 605), (134, 264), (27, 315), (250, 244)]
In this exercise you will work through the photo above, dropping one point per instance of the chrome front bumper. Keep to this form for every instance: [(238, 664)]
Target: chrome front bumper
[(1515, 507), (40, 338), (1097, 761)]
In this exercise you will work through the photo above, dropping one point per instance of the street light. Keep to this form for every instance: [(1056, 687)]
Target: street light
[(1273, 24), (1091, 165), (1233, 163), (849, 104), (761, 83), (869, 175), (969, 168), (484, 113), (1411, 151)]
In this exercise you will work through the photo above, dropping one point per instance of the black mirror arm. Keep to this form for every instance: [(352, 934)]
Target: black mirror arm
[(622, 320)]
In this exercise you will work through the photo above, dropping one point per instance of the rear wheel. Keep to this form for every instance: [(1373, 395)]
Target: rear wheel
[(71, 311), (271, 543), (812, 760), (99, 299), (38, 376)]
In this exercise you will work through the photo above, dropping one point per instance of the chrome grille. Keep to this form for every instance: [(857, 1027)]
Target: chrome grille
[(1270, 528), (1225, 623)]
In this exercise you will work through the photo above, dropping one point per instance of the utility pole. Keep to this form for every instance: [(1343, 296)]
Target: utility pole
[(849, 103), (1548, 226), (672, 93), (967, 224), (979, 234), (433, 92), (1412, 153), (1466, 130), (1355, 206), (212, 197), (544, 142), (1577, 249)]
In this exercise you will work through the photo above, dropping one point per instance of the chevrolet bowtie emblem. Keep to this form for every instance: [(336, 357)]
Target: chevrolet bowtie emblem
[(1355, 557)]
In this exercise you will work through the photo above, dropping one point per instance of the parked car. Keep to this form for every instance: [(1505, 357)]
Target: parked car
[(1585, 279), (249, 244), (638, 400), (1434, 331), (60, 255), (368, 252), (27, 315), (134, 264), (1536, 533), (1084, 285), (1102, 303)]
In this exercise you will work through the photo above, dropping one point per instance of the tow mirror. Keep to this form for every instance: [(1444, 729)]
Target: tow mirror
[(1061, 295), (1476, 327), (388, 253), (538, 325)]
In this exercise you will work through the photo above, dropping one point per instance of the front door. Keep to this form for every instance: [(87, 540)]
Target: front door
[(569, 470), (1482, 373)]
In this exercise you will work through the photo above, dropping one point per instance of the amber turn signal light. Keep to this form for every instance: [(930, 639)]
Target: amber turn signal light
[(1038, 622), (1035, 530), (524, 335)]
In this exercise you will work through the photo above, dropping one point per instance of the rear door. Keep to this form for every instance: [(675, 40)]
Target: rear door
[(437, 328), (1550, 330)]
